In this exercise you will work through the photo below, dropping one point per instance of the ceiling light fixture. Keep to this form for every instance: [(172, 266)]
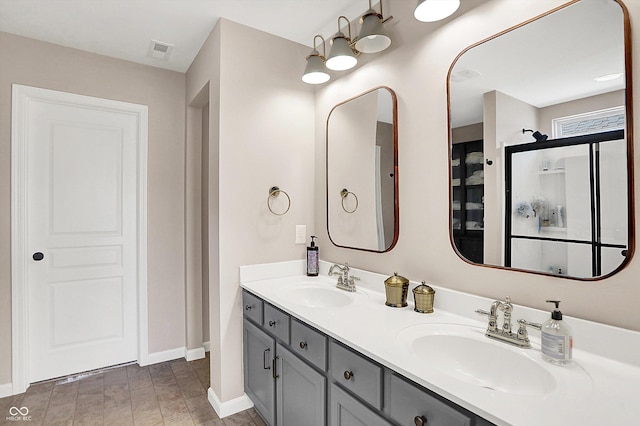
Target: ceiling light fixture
[(435, 10), (608, 77), (315, 71), (342, 56), (373, 38)]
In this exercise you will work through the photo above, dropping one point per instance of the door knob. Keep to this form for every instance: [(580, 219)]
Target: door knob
[(38, 256)]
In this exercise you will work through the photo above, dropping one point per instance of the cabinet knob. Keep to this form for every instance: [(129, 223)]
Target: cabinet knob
[(303, 345), (420, 420), (348, 374), (272, 323), (248, 308)]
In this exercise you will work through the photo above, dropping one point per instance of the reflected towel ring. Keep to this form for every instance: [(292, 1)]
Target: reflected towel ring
[(274, 192), (344, 194)]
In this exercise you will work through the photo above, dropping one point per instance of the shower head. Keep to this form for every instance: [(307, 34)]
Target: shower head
[(537, 135)]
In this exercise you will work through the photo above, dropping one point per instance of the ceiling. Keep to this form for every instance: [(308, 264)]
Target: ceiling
[(124, 28), (548, 61)]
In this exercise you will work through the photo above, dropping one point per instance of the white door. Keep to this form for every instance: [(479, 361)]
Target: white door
[(81, 228)]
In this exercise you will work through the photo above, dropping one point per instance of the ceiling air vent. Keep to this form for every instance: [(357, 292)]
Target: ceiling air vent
[(159, 50)]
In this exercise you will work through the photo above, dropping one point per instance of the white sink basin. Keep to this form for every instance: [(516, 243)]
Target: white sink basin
[(318, 295), (466, 354)]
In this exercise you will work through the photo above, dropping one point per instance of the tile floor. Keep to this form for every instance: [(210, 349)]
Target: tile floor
[(169, 393)]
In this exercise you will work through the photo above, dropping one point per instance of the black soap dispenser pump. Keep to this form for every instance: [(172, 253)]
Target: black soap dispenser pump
[(312, 258)]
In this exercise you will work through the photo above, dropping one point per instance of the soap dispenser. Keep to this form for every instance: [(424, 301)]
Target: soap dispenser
[(312, 258), (557, 340)]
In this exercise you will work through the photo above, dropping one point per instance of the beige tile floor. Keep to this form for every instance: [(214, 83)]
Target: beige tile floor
[(169, 393)]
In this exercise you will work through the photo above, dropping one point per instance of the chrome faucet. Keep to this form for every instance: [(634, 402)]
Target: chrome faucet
[(521, 338), (345, 282)]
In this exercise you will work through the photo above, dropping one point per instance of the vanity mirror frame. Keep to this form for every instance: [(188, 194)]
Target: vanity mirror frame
[(629, 116), (396, 204)]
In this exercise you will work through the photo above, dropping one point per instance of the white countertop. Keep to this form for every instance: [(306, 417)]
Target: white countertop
[(600, 387)]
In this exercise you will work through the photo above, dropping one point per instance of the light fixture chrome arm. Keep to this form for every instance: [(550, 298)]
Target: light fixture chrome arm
[(324, 46), (381, 13), (348, 26)]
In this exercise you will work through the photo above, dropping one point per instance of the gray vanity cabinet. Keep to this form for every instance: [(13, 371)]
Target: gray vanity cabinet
[(284, 389), (259, 351), (252, 307), (297, 376), (356, 374), (276, 322), (348, 411), (300, 391), (404, 402), (309, 344)]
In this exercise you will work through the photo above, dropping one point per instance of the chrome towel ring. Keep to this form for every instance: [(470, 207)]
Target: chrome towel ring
[(344, 194), (274, 192)]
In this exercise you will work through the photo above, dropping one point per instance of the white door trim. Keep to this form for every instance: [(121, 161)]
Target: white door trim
[(21, 97)]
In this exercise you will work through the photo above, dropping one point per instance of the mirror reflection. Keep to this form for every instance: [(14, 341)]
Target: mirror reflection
[(539, 143), (362, 168)]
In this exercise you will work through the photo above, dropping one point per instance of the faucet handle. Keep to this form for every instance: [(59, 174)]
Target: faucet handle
[(482, 312), (524, 324), (522, 330)]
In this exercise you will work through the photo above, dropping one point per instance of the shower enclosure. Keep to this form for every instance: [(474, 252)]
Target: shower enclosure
[(559, 219)]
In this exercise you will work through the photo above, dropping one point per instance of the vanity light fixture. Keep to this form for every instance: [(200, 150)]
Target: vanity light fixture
[(608, 77), (315, 71), (373, 38), (539, 137), (341, 57), (435, 10)]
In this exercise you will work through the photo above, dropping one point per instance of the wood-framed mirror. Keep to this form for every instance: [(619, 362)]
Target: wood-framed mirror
[(541, 138), (362, 171)]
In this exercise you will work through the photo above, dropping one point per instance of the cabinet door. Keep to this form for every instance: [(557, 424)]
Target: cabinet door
[(259, 385), (300, 391), (348, 411)]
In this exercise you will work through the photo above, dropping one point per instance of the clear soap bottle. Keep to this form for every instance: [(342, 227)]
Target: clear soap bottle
[(557, 338)]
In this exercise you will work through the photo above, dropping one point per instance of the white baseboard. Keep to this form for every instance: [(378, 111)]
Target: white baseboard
[(224, 409), (206, 346), (6, 389), (193, 354), (163, 356)]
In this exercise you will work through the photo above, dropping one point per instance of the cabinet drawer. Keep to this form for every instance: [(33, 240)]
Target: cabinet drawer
[(405, 401), (252, 307), (276, 322), (356, 373), (309, 344), (345, 410)]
